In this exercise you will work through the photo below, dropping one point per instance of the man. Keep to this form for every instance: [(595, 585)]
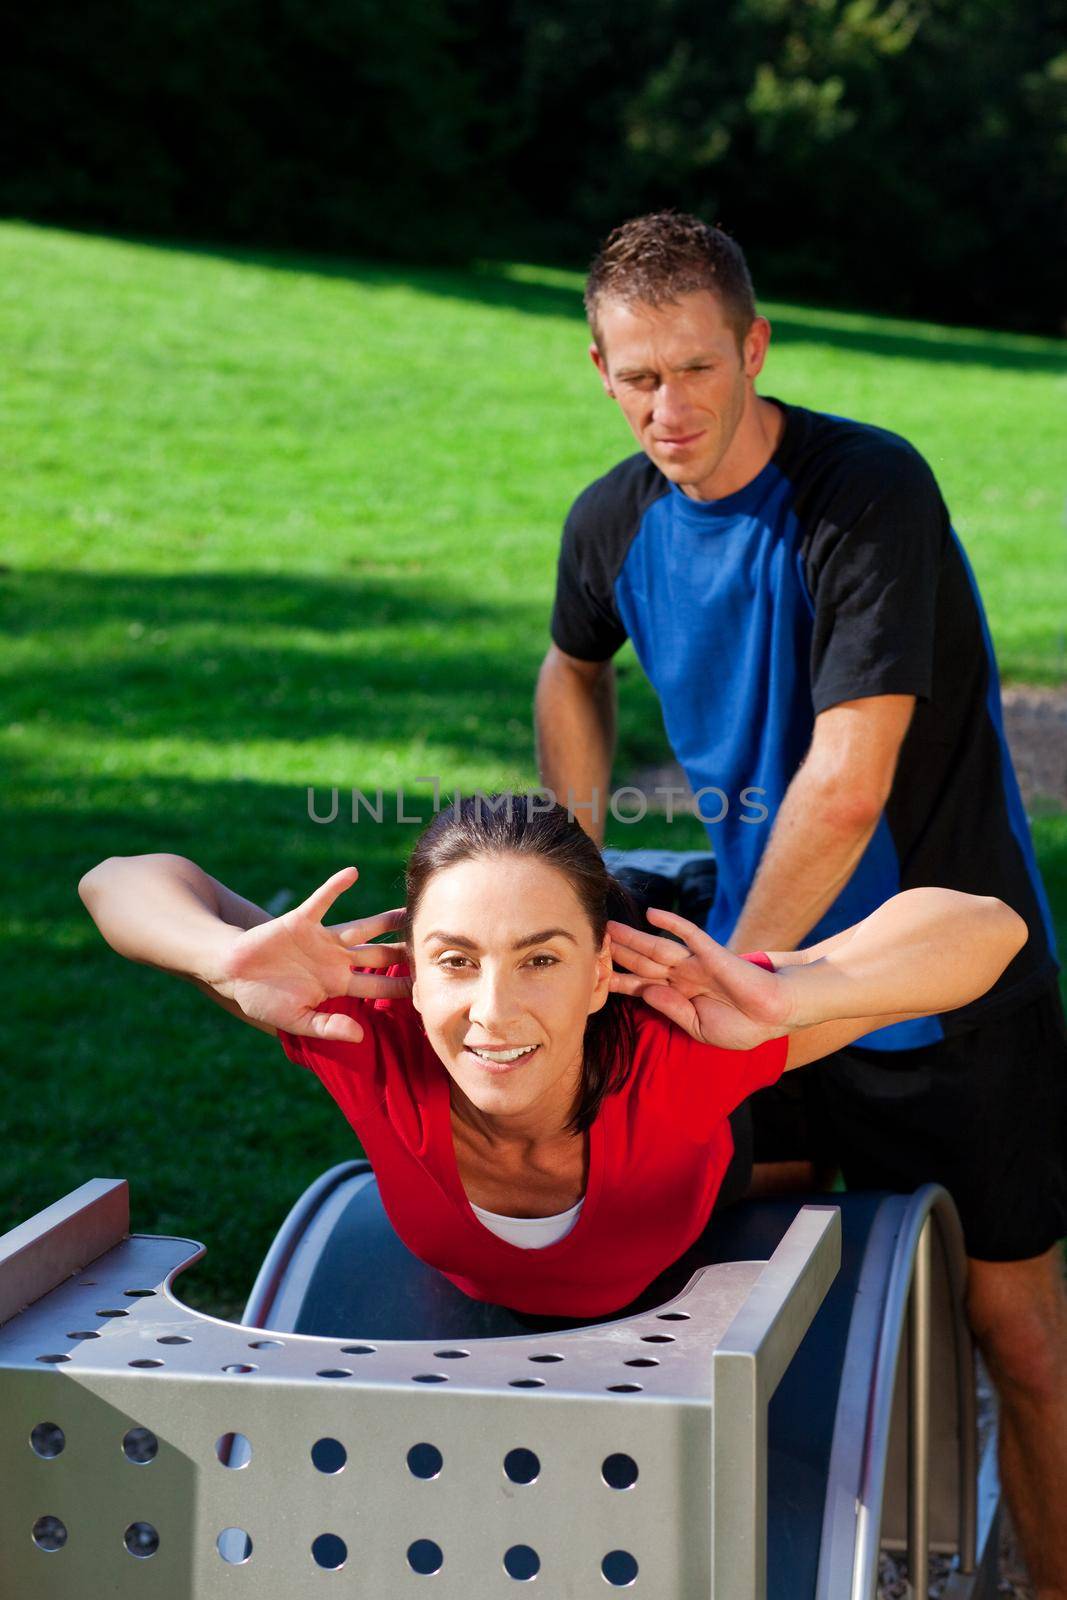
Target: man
[(799, 602)]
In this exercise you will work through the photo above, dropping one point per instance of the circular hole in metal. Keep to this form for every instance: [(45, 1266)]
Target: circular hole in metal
[(244, 1366), (138, 1294), (329, 1551), (526, 1383), (620, 1568), (425, 1461), (49, 1533), (140, 1446), (145, 1361), (334, 1372), (233, 1450), (657, 1338), (174, 1338), (522, 1562), (113, 1311), (451, 1355), (425, 1557), (545, 1358), (521, 1465), (328, 1455), (84, 1333), (48, 1440), (52, 1360), (266, 1344), (429, 1377), (619, 1471), (624, 1388), (234, 1546), (672, 1316), (359, 1349), (141, 1540), (641, 1361)]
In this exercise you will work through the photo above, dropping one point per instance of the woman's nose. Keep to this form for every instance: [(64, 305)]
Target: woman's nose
[(492, 1004)]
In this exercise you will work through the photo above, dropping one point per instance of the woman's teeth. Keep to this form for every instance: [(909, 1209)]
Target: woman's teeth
[(502, 1055)]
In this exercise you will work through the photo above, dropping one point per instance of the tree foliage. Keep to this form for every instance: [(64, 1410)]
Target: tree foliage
[(908, 155)]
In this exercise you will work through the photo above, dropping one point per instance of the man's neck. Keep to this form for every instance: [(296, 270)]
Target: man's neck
[(755, 442)]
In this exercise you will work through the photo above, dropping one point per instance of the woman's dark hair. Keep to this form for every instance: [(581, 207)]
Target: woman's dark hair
[(483, 826)]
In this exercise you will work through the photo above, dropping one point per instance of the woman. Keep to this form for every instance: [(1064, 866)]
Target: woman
[(547, 1131)]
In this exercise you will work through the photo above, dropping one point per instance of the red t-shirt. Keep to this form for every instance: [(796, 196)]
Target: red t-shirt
[(658, 1150)]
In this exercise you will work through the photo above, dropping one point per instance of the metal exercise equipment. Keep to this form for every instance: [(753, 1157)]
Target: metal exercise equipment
[(324, 1446)]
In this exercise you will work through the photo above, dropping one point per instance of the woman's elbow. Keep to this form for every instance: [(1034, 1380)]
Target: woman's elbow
[(91, 882), (1011, 930)]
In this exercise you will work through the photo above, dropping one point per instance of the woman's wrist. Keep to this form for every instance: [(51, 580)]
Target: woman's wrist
[(214, 954), (817, 992)]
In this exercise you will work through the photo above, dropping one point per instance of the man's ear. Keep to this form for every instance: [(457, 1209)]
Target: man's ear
[(754, 348), (601, 365)]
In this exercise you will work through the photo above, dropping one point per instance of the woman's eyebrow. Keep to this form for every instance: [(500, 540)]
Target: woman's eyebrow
[(542, 937)]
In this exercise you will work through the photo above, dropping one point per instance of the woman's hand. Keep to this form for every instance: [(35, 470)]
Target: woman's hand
[(279, 972), (718, 998)]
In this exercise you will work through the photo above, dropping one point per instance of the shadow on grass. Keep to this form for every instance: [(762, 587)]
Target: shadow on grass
[(546, 291), (241, 657)]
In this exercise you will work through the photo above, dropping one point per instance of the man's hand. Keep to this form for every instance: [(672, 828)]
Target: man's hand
[(718, 998), (279, 972)]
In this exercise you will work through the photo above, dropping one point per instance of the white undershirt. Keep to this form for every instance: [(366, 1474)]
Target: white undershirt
[(529, 1233)]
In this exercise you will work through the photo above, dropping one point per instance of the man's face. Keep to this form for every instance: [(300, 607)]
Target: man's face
[(683, 384)]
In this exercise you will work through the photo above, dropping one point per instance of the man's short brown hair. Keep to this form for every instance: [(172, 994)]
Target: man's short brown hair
[(659, 257)]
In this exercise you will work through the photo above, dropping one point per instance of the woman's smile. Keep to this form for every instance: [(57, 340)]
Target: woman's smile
[(506, 974)]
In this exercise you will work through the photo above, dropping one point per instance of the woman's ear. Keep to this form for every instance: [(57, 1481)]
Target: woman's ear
[(602, 984), (415, 994)]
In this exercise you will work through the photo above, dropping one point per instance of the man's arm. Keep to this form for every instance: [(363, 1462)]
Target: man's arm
[(825, 820), (574, 715)]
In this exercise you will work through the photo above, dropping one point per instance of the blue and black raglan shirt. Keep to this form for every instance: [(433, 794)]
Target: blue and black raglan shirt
[(834, 575)]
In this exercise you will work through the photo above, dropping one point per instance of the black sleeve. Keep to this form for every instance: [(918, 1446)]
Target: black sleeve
[(585, 620), (873, 565), (597, 536)]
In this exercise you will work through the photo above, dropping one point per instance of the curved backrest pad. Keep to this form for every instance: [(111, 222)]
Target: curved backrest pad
[(366, 1279)]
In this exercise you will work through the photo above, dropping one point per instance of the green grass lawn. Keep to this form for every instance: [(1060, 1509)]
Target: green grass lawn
[(272, 522)]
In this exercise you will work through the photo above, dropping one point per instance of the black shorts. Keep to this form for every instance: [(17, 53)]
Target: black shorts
[(983, 1112)]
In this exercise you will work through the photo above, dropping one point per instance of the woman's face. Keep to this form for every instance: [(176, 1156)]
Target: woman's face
[(506, 973)]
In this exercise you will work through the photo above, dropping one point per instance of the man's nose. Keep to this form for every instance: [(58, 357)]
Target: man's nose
[(671, 405)]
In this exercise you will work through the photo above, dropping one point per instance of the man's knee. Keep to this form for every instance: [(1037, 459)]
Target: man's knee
[(1018, 1314)]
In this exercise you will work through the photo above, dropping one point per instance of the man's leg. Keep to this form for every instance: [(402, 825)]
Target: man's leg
[(1018, 1311)]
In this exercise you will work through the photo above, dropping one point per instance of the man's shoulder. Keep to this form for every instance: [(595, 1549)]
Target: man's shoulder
[(829, 456), (618, 500)]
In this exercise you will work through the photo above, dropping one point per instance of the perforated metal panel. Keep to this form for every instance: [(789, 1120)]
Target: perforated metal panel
[(146, 1449)]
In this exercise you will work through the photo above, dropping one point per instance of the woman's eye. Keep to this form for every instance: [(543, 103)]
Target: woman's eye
[(543, 961), (454, 963)]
